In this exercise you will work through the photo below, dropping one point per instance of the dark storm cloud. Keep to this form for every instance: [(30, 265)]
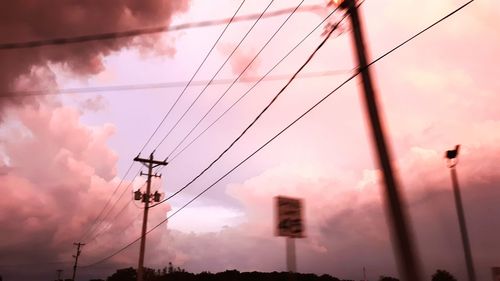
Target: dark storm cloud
[(26, 20)]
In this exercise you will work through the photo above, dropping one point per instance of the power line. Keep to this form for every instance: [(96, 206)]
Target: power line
[(236, 79), (89, 230), (117, 215), (260, 114), (257, 117), (286, 128), (258, 81), (143, 31), (108, 213), (213, 77), (192, 77), (164, 118), (164, 85), (33, 264), (252, 87)]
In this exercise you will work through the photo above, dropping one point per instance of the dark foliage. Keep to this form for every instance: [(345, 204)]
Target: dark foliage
[(171, 273), (387, 278), (443, 275)]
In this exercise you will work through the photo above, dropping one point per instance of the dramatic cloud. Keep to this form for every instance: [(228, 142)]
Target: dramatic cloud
[(436, 92), (57, 173), (28, 20), (346, 225), (59, 176)]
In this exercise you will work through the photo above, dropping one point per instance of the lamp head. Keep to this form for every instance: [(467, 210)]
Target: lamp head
[(452, 154)]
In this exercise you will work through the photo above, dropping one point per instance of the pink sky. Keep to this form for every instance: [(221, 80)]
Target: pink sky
[(62, 156)]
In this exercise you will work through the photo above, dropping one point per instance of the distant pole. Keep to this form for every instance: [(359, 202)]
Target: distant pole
[(59, 274), (291, 261), (78, 252), (407, 258), (451, 156), (291, 258), (364, 274), (146, 198)]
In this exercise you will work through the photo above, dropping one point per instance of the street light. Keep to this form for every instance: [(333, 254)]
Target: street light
[(452, 161)]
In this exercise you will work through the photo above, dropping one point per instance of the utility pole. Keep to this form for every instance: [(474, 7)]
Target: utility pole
[(407, 258), (452, 161), (78, 252), (146, 198), (59, 271)]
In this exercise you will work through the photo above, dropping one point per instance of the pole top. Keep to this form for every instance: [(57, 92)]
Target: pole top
[(343, 4), (452, 156)]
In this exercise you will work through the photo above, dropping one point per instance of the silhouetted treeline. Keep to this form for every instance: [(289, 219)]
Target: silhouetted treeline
[(171, 273), (129, 274)]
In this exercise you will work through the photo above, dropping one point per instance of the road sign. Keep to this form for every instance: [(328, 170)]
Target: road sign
[(289, 219)]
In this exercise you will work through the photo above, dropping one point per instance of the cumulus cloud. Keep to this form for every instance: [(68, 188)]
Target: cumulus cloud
[(59, 176), (440, 96), (34, 20), (346, 224), (429, 108)]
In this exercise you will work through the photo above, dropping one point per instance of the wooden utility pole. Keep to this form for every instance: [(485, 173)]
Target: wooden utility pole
[(78, 252), (404, 246), (146, 197)]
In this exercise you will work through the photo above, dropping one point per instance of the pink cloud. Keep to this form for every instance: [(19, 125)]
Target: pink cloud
[(30, 20), (59, 176)]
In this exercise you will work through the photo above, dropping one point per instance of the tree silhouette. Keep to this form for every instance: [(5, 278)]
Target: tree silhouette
[(443, 275), (126, 274), (172, 273), (387, 278)]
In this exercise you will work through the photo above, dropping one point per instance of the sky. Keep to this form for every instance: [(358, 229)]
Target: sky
[(64, 155)]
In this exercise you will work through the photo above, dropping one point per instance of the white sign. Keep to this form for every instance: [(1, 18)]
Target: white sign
[(289, 220)]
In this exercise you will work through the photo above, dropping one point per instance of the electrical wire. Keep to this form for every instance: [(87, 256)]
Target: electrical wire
[(286, 128), (166, 115), (251, 88), (144, 31), (33, 264), (119, 213), (108, 213), (165, 85), (106, 204), (99, 233), (157, 128), (122, 211), (273, 100), (192, 77), (262, 112), (236, 79), (213, 77)]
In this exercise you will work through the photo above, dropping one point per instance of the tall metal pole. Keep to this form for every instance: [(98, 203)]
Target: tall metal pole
[(150, 164), (78, 252), (451, 155), (407, 258)]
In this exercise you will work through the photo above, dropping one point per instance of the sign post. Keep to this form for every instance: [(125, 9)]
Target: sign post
[(289, 223)]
